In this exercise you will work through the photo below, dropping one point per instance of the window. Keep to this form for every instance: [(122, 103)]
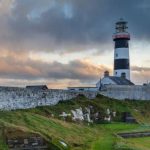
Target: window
[(123, 75), (81, 89), (72, 89)]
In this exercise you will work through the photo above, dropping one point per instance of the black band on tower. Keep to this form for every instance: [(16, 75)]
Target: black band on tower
[(121, 64), (121, 43)]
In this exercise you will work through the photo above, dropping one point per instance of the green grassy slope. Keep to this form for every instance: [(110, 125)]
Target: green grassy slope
[(80, 136)]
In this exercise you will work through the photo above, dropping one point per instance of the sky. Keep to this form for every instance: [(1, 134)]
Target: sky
[(65, 43)]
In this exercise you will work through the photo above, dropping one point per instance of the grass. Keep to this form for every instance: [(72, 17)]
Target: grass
[(140, 143), (80, 136), (104, 142)]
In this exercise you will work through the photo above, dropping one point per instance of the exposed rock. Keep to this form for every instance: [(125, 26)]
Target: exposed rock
[(108, 118), (63, 143), (77, 114), (17, 139)]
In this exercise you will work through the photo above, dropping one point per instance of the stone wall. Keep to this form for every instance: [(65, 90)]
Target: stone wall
[(122, 92), (21, 98)]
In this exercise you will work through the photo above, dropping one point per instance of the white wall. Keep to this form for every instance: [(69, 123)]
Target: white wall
[(121, 53), (122, 92), (105, 81), (20, 98)]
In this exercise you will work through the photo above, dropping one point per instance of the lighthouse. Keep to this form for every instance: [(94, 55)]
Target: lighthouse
[(121, 75), (121, 53)]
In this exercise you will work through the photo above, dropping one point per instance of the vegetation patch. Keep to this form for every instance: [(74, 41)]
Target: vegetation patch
[(63, 135)]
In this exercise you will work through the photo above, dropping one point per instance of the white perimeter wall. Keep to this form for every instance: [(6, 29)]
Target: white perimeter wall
[(122, 92), (20, 98)]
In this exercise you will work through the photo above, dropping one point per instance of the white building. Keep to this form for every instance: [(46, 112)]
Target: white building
[(112, 80)]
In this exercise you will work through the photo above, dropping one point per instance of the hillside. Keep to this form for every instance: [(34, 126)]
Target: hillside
[(46, 122)]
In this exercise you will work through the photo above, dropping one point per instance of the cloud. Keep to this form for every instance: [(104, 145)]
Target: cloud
[(140, 69), (12, 66), (64, 26), (140, 74), (53, 84), (69, 25)]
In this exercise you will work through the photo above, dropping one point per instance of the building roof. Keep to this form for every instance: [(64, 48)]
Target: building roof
[(82, 87), (120, 80), (37, 87)]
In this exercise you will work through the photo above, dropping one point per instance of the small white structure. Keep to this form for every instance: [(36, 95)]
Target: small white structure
[(114, 114), (108, 118), (64, 114), (87, 115)]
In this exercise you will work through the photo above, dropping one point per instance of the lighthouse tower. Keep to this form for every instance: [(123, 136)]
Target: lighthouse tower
[(121, 54)]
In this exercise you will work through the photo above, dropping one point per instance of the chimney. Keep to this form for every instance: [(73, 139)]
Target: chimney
[(106, 74)]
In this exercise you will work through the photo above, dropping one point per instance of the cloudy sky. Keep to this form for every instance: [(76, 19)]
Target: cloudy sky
[(69, 42)]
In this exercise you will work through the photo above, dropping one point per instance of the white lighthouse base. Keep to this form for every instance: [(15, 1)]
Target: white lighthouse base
[(118, 73)]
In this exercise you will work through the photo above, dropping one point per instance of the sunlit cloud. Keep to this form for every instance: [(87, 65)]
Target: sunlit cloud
[(69, 43)]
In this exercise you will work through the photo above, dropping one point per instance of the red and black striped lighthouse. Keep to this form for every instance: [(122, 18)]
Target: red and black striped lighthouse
[(121, 54)]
